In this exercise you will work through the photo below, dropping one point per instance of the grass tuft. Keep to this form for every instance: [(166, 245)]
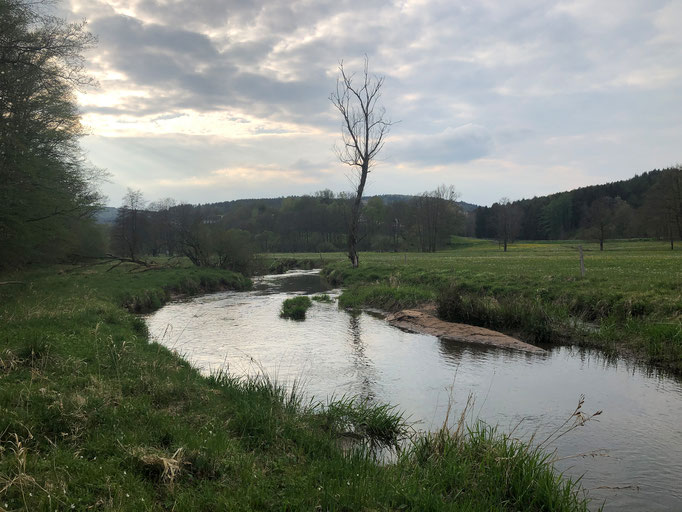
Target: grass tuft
[(295, 308), (323, 297), (528, 317), (378, 425), (384, 297)]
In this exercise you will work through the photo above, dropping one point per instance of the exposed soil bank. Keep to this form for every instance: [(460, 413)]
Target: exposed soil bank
[(424, 322)]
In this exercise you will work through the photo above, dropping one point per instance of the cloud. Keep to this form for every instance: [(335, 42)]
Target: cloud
[(469, 81), (187, 70), (452, 145)]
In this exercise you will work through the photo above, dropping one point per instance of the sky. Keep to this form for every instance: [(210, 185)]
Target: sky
[(214, 100)]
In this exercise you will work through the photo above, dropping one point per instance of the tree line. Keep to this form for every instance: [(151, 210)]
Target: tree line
[(227, 234), (647, 205)]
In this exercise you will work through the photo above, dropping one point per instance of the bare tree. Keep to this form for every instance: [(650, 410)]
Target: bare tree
[(130, 224), (436, 209), (363, 132), (508, 217), (162, 232)]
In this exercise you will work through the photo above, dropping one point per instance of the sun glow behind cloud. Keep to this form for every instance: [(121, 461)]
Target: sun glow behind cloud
[(186, 122)]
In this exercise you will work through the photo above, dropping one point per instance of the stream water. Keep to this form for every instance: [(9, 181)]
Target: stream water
[(630, 456)]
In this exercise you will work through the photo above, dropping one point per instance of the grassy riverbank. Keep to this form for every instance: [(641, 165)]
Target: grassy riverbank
[(95, 416), (629, 302)]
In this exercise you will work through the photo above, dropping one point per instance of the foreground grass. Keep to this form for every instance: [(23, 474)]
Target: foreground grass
[(630, 300), (94, 416)]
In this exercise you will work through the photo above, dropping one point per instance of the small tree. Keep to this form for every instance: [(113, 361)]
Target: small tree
[(600, 218), (233, 249), (363, 131), (508, 219), (162, 235), (663, 205), (435, 210), (130, 224)]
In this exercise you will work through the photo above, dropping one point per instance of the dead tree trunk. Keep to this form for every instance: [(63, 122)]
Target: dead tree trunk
[(355, 222), (363, 130)]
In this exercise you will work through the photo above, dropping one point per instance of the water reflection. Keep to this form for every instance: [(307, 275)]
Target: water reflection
[(365, 371), (454, 352), (308, 281), (335, 353)]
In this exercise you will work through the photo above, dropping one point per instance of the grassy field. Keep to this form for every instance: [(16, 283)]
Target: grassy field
[(629, 302), (93, 416)]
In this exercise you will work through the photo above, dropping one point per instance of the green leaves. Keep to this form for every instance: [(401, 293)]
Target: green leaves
[(47, 187)]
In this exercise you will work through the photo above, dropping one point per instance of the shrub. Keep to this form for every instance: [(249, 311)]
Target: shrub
[(296, 307)]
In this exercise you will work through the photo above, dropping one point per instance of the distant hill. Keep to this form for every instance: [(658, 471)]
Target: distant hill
[(106, 215), (276, 202), (565, 214), (392, 198)]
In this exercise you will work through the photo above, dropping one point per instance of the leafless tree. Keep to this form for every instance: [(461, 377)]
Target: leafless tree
[(129, 224), (508, 217), (162, 232), (600, 218), (363, 130), (435, 210)]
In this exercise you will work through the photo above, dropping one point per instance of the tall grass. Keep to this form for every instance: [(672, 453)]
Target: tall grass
[(385, 297), (530, 318)]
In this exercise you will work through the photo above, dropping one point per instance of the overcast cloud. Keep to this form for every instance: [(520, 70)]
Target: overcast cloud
[(213, 100)]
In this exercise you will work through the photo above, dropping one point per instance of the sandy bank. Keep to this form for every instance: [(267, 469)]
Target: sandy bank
[(424, 322)]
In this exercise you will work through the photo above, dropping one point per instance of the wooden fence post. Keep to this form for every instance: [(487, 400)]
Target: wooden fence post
[(582, 261)]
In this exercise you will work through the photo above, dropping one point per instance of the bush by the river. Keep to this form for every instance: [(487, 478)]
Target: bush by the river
[(296, 307)]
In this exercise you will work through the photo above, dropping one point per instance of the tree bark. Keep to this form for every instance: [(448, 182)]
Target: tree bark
[(355, 218)]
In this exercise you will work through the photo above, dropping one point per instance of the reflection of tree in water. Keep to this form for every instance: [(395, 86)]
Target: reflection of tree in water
[(455, 352), (452, 351), (364, 368)]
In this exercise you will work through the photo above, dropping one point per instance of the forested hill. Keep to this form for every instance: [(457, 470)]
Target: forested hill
[(276, 202), (628, 208)]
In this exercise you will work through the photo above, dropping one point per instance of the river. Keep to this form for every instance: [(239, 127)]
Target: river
[(630, 456)]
